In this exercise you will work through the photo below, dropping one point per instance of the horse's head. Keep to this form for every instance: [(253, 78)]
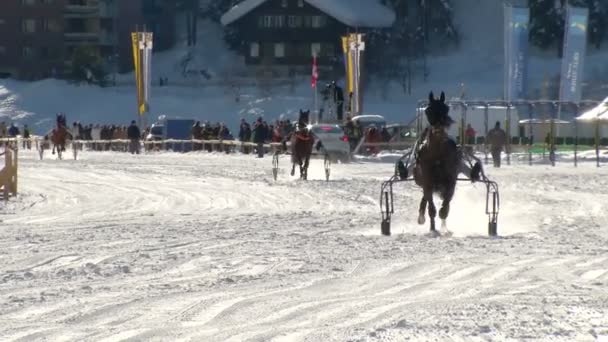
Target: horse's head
[(437, 108), (304, 119)]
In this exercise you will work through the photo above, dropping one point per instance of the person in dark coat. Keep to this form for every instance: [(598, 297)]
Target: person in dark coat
[(260, 132), (497, 138), (133, 134), (339, 99), (197, 134), (244, 135), (13, 131), (26, 135)]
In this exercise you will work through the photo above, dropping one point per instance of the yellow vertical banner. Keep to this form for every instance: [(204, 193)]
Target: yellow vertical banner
[(347, 64), (138, 74)]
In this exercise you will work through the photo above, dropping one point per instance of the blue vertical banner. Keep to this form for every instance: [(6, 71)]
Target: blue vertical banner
[(517, 20), (573, 57)]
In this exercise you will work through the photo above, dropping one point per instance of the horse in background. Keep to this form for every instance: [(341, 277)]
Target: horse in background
[(302, 141), (59, 137)]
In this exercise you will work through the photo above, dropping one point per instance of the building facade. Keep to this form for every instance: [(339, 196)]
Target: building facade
[(31, 37), (38, 37), (285, 34)]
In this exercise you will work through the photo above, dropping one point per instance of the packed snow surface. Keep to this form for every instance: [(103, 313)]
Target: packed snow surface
[(206, 247)]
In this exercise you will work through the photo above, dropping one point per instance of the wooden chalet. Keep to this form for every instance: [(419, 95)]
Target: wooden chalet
[(284, 34)]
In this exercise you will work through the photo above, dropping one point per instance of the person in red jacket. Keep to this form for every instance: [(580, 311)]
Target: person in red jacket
[(470, 135)]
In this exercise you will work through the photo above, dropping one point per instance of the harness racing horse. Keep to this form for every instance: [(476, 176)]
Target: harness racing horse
[(302, 142), (437, 166), (59, 136)]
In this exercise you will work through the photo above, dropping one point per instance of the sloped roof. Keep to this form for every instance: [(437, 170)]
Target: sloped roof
[(354, 13), (600, 112)]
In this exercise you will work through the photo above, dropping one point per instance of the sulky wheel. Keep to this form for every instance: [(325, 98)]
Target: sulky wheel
[(275, 166), (327, 164)]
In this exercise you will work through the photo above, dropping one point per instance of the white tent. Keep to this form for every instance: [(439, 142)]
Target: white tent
[(599, 112)]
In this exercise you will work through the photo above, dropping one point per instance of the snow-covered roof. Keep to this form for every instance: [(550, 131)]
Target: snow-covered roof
[(354, 13), (543, 121), (599, 112), (368, 118)]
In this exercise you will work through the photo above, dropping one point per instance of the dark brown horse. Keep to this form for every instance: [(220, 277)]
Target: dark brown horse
[(437, 165), (301, 149)]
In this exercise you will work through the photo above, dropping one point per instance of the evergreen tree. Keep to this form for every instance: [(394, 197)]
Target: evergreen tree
[(393, 52), (86, 65), (547, 22)]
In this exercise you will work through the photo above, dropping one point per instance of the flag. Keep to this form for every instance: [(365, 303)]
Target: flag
[(516, 52), (347, 63), (315, 72), (135, 37), (573, 59)]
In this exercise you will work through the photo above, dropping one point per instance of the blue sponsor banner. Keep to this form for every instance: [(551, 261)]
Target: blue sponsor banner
[(517, 21), (575, 46)]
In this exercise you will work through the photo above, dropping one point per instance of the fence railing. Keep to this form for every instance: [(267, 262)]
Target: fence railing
[(8, 174), (228, 146)]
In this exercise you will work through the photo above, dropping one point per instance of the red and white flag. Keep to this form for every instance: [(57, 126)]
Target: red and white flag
[(315, 72)]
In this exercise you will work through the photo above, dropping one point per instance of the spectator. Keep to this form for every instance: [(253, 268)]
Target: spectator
[(26, 136), (386, 137), (373, 136), (13, 131), (260, 132), (3, 130), (470, 135), (497, 139), (197, 134), (245, 135), (134, 135)]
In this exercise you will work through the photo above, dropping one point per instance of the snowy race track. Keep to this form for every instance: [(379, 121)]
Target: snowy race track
[(204, 247)]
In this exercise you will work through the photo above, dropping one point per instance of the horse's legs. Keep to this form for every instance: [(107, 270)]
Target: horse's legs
[(301, 163), (306, 162), (445, 205), (293, 167), (428, 194), (53, 149), (421, 211)]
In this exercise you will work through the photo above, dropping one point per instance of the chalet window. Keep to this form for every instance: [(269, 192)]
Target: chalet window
[(27, 52), (315, 49), (271, 21), (28, 26), (28, 2), (294, 21), (307, 21), (2, 50), (318, 21), (328, 50), (2, 21), (254, 50), (300, 3), (284, 3), (44, 52), (279, 50), (50, 25)]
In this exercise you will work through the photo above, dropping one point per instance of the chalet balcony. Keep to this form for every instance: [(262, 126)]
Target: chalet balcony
[(107, 10), (81, 38), (81, 9)]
